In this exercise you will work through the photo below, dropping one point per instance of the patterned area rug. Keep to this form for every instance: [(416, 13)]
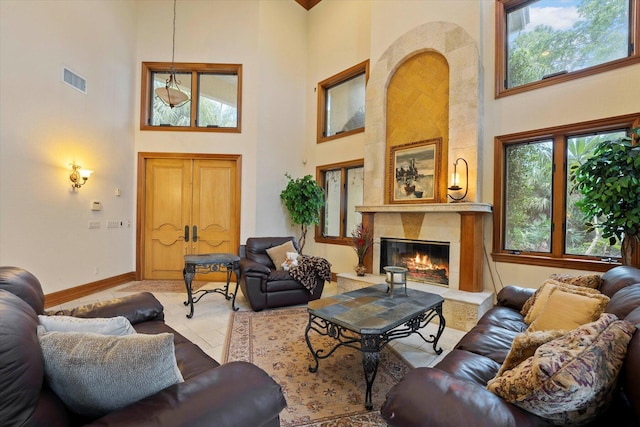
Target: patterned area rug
[(161, 286), (334, 395)]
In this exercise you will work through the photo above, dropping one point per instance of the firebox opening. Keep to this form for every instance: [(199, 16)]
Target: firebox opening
[(426, 261)]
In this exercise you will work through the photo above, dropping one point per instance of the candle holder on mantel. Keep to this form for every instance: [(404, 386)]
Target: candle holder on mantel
[(395, 276)]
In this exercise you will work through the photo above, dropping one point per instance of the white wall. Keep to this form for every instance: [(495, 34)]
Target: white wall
[(268, 38), (45, 125)]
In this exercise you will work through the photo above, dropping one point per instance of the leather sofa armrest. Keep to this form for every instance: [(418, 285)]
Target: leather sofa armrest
[(136, 308), (237, 394), (514, 296), (431, 397), (249, 267)]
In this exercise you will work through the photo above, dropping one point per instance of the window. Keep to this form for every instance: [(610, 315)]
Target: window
[(543, 42), (536, 217), (343, 186), (215, 97), (341, 100)]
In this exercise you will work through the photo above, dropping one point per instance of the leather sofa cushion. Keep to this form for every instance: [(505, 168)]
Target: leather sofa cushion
[(618, 278), (490, 341), (625, 301), (23, 284), (21, 364), (283, 285), (504, 317), (469, 366)]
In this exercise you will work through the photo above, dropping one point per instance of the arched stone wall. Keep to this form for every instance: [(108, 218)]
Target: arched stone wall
[(461, 53)]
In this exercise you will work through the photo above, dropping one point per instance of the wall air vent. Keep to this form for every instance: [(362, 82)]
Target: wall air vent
[(74, 80)]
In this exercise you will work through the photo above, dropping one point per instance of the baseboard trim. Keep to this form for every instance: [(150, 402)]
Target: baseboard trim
[(56, 298)]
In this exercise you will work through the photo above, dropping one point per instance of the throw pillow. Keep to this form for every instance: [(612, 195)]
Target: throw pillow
[(567, 311), (592, 281), (524, 346), (569, 380), (539, 298), (118, 325), (278, 254), (96, 374)]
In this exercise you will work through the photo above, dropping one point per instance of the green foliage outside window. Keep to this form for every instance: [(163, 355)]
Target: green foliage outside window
[(599, 34), (528, 197)]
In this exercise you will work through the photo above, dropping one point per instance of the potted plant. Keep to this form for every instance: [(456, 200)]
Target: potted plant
[(304, 199), (362, 239), (609, 183)]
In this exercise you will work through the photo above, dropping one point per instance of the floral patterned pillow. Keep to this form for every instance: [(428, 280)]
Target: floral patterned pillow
[(592, 281), (569, 380)]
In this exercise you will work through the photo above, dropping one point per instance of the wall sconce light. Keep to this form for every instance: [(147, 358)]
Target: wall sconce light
[(455, 180), (78, 176)]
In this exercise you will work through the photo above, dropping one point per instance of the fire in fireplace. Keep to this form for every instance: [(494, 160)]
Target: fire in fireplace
[(426, 261)]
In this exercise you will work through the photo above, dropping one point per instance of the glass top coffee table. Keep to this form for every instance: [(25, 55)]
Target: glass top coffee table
[(367, 319)]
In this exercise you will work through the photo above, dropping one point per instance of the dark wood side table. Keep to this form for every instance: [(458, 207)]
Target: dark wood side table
[(368, 319), (209, 263)]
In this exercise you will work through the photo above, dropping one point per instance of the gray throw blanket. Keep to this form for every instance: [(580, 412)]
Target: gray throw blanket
[(310, 269)]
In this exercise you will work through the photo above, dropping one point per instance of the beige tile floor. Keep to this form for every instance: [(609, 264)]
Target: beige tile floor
[(208, 327)]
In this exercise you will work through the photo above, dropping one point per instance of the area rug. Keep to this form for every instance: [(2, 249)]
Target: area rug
[(161, 286), (334, 395)]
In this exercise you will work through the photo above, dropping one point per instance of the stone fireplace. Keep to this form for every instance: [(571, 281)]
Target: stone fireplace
[(459, 225), (455, 119)]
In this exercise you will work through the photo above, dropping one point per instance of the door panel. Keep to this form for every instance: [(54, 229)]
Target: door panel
[(168, 208), (202, 194), (212, 207), (213, 187)]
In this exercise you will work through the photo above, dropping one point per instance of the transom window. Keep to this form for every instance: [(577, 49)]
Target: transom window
[(343, 187), (215, 92), (542, 42), (536, 217), (341, 103)]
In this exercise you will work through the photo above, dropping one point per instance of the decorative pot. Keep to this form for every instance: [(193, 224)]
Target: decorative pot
[(360, 270)]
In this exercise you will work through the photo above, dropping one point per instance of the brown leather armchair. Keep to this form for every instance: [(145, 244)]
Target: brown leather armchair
[(263, 284)]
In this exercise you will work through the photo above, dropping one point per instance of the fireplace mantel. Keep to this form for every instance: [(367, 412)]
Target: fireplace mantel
[(428, 207), (467, 261)]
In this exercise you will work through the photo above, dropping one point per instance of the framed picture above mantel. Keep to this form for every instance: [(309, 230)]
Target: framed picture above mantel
[(414, 172)]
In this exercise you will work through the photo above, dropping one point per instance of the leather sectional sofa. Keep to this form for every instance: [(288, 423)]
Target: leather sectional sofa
[(453, 392), (234, 394)]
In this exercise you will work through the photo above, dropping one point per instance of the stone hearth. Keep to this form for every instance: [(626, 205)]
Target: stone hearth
[(461, 309)]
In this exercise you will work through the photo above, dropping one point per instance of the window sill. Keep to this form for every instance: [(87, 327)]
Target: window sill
[(544, 261)]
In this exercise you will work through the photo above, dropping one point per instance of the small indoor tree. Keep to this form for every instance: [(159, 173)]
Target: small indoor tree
[(609, 183), (304, 199)]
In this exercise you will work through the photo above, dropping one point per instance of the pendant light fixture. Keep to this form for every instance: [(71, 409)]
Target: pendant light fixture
[(171, 94)]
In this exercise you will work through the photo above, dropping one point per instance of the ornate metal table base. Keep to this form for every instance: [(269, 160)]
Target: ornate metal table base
[(370, 344), (210, 263)]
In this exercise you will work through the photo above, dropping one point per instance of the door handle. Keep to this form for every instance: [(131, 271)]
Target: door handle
[(195, 233), (186, 233)]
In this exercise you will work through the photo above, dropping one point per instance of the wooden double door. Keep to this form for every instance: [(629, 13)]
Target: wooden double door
[(191, 206)]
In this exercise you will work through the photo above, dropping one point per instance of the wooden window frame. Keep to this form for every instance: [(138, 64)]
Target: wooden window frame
[(556, 258), (194, 69), (333, 81), (501, 9), (320, 178)]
